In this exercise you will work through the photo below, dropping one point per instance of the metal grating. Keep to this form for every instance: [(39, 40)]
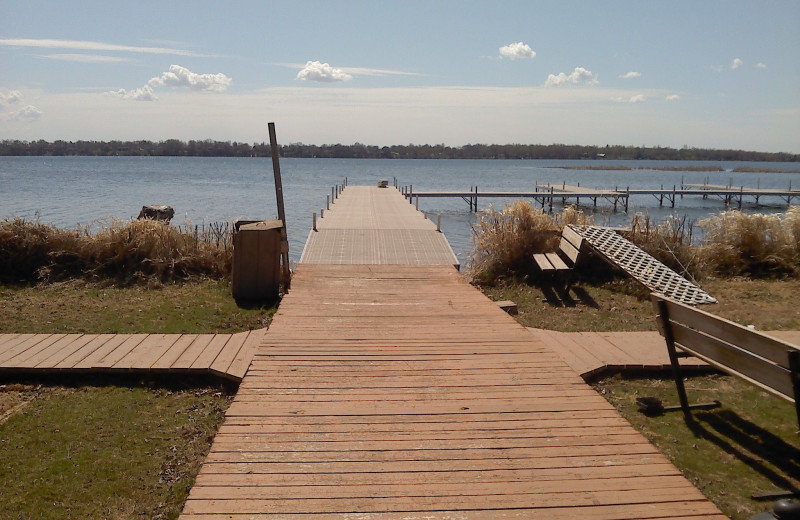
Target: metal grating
[(641, 266)]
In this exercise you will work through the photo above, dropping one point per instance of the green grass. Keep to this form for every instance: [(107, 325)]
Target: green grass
[(100, 452), (750, 445), (203, 306)]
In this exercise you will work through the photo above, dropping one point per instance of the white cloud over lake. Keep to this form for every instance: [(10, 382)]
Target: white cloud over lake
[(576, 77), (179, 78), (517, 51), (736, 63), (322, 72), (630, 75)]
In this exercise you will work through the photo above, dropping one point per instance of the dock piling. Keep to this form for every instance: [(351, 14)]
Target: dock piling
[(314, 223), (439, 222)]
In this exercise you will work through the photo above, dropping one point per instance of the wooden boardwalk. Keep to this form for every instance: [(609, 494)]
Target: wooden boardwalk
[(401, 392), (225, 355)]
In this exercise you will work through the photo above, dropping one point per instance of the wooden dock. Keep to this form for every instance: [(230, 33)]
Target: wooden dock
[(547, 194), (223, 355), (389, 391)]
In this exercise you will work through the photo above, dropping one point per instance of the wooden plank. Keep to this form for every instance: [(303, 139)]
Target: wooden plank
[(33, 355), (69, 362), (543, 262), (89, 361), (110, 359), (164, 363), (570, 251), (28, 342), (557, 262), (49, 358), (228, 354), (729, 358), (192, 352), (754, 341), (147, 352), (573, 238), (210, 352)]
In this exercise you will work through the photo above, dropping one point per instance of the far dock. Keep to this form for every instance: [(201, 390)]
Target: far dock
[(546, 194)]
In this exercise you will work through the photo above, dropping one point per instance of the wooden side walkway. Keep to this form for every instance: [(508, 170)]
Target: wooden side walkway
[(225, 355), (400, 392)]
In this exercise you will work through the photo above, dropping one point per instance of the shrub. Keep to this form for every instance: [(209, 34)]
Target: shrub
[(122, 251)]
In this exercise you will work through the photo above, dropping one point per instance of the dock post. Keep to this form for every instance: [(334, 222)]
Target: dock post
[(550, 204), (328, 202), (439, 222), (417, 206), (476, 199), (333, 199), (674, 189), (661, 197), (276, 171), (321, 213), (627, 197), (314, 225)]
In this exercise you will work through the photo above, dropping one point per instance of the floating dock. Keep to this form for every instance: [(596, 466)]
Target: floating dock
[(548, 194)]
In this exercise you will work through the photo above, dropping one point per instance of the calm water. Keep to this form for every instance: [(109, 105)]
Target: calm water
[(68, 191)]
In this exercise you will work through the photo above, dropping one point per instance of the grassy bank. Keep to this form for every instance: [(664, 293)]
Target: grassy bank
[(72, 451), (750, 445), (200, 306)]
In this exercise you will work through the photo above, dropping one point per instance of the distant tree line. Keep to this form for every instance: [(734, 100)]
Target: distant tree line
[(209, 148)]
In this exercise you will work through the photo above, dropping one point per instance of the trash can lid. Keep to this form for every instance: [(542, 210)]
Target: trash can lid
[(263, 225)]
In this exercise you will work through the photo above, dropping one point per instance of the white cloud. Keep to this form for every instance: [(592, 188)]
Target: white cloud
[(637, 98), (356, 71), (517, 51), (27, 113), (85, 58), (181, 77), (579, 75), (761, 65), (14, 96), (92, 46), (717, 68), (631, 74), (673, 97), (144, 93), (9, 100), (736, 63), (176, 77), (322, 72)]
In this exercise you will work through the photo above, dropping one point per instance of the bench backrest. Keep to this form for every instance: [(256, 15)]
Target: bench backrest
[(767, 362), (571, 243)]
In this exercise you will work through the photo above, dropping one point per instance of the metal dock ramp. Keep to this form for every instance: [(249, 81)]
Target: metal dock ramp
[(641, 266)]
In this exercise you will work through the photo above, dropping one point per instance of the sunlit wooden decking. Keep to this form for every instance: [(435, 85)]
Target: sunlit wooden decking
[(225, 355), (389, 392)]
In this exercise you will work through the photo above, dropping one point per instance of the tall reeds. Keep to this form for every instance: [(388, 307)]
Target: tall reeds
[(732, 244), (755, 245), (506, 240), (121, 251)]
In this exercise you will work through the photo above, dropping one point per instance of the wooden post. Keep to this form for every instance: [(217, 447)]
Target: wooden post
[(321, 213), (328, 202), (663, 317), (314, 222), (627, 197), (333, 192), (417, 203), (276, 169), (439, 222)]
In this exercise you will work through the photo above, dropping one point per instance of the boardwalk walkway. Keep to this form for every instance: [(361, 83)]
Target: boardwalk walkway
[(387, 391), (225, 355)]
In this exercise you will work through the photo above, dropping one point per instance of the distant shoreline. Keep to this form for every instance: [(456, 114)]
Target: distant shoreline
[(620, 167), (208, 148)]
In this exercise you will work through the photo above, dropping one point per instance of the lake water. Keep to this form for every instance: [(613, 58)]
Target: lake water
[(70, 191)]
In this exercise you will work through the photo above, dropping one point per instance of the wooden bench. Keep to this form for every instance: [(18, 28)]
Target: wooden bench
[(565, 258), (766, 362)]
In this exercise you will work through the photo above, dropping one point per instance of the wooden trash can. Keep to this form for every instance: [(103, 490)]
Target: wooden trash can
[(257, 260)]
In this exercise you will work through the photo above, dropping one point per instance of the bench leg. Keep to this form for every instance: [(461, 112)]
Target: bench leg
[(676, 371), (794, 366)]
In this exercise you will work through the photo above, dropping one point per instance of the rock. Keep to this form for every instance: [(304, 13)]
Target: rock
[(160, 213)]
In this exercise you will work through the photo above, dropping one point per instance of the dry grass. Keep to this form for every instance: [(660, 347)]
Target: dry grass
[(506, 240), (122, 251), (734, 244), (755, 245)]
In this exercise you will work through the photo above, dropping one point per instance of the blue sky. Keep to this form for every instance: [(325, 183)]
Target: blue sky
[(669, 73)]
